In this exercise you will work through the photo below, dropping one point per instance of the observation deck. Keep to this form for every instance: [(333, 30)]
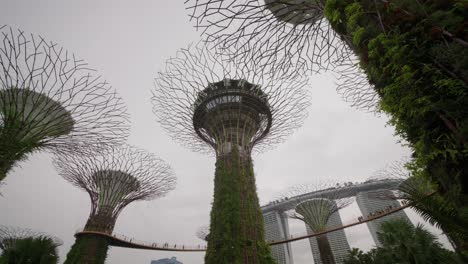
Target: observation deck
[(232, 113)]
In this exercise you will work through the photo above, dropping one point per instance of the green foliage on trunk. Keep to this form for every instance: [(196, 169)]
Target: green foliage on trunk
[(88, 249), (415, 53), (326, 253), (236, 229)]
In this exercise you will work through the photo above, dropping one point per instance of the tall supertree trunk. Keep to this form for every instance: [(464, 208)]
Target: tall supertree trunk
[(88, 249), (326, 254), (236, 230)]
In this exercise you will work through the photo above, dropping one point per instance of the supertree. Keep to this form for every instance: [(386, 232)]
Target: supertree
[(203, 232), (51, 100), (20, 245), (209, 104), (317, 212), (113, 180)]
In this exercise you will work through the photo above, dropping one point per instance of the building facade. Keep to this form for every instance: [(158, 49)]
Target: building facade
[(369, 204), (277, 228)]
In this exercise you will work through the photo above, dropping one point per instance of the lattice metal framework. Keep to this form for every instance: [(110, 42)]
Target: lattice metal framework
[(9, 235), (280, 35), (50, 99), (292, 32), (115, 179), (207, 102), (408, 188), (354, 87)]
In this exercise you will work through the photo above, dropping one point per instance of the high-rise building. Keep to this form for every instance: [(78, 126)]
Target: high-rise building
[(277, 228), (338, 241), (172, 260), (370, 204)]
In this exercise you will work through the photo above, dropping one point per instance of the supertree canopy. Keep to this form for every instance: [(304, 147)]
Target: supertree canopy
[(113, 180), (205, 102), (316, 212), (51, 100), (208, 103), (284, 33), (21, 245)]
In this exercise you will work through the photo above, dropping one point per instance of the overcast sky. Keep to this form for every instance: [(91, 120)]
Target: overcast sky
[(128, 42)]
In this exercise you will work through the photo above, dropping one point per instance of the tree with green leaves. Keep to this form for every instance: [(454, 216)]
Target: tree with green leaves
[(357, 256), (23, 246), (416, 188), (214, 105), (402, 242), (415, 54)]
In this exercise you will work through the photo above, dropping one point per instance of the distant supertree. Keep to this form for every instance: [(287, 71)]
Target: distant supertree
[(280, 35), (210, 104), (317, 211), (51, 100), (203, 232), (113, 180), (21, 245)]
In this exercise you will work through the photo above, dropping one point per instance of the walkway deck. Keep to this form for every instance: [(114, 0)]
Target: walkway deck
[(123, 241)]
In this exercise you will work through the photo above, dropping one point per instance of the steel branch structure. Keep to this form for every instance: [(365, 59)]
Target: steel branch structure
[(115, 179), (205, 102), (316, 212), (10, 235), (354, 87), (292, 32), (50, 99), (280, 35), (208, 102), (411, 188)]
